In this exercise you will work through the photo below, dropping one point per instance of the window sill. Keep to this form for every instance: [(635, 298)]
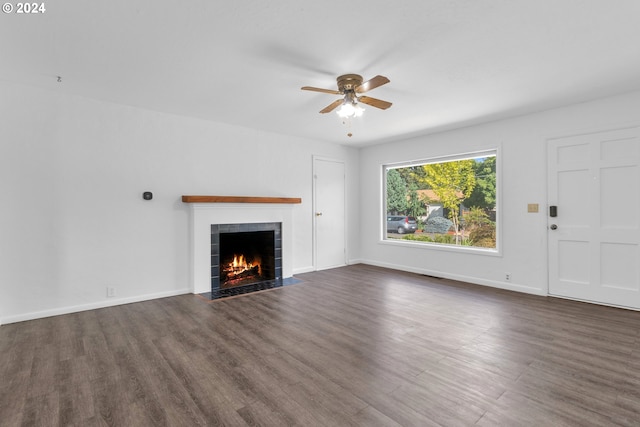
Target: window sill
[(441, 247)]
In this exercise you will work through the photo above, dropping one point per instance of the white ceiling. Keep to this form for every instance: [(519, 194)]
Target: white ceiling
[(451, 62)]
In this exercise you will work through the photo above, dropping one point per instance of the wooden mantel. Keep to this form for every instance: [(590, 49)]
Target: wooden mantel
[(240, 199)]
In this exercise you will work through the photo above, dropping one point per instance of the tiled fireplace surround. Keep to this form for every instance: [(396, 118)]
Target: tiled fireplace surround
[(203, 215)]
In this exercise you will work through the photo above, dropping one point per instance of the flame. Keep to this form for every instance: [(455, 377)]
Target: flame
[(240, 264), (239, 261)]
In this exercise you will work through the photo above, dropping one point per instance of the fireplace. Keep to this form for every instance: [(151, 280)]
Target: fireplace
[(234, 211), (245, 258)]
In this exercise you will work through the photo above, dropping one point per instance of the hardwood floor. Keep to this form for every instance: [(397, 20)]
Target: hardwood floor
[(354, 346)]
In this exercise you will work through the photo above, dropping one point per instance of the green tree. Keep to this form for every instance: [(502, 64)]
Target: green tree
[(413, 175), (396, 193), (415, 206), (482, 231), (452, 182), (484, 193), (476, 217)]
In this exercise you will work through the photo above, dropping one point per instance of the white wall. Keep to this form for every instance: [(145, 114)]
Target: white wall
[(72, 174), (523, 157)]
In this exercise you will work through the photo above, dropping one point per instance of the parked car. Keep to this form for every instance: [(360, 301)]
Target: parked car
[(401, 224)]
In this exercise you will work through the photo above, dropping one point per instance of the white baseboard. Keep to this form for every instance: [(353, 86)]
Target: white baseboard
[(461, 278), (311, 268), (92, 306), (119, 301), (303, 270)]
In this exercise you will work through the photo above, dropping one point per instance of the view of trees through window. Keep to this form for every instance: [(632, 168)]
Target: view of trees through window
[(450, 202)]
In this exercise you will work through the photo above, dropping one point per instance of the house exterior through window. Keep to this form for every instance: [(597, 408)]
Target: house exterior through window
[(448, 201)]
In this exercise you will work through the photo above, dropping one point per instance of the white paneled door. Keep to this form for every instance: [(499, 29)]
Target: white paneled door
[(329, 213), (594, 241)]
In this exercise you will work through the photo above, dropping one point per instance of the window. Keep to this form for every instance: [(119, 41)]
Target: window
[(448, 201)]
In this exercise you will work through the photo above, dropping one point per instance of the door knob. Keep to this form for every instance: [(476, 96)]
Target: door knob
[(553, 227), (318, 213)]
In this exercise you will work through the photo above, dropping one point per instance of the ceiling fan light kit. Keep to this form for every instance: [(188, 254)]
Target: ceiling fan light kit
[(350, 85), (350, 107), (348, 110)]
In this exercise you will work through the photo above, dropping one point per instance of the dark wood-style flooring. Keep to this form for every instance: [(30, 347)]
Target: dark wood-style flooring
[(354, 346)]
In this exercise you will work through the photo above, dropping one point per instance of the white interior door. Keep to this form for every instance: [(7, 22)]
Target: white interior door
[(329, 213), (594, 241)]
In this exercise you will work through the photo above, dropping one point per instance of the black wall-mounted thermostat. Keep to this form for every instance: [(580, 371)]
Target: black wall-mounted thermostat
[(147, 195)]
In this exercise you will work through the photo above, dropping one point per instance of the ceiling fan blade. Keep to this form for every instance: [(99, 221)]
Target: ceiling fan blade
[(329, 108), (372, 84), (317, 89), (378, 103)]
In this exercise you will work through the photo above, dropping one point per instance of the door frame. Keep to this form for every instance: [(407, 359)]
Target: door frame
[(315, 158)]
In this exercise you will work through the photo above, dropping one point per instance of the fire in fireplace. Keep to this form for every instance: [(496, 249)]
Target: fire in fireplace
[(245, 257), (240, 269)]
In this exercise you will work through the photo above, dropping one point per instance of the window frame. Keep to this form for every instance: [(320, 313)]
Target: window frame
[(385, 167)]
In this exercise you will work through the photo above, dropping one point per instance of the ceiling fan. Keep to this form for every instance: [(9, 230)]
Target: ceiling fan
[(351, 85)]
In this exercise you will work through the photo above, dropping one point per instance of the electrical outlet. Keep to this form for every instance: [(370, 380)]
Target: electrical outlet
[(507, 276), (111, 291)]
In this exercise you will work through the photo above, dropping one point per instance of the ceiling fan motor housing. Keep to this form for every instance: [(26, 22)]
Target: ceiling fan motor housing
[(348, 82)]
